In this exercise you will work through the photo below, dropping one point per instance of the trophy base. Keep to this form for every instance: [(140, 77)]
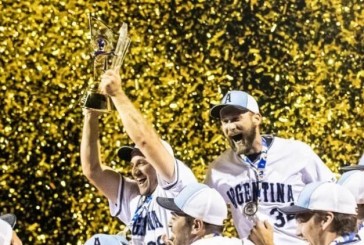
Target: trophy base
[(97, 102)]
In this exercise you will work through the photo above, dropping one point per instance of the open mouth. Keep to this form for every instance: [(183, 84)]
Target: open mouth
[(238, 138), (141, 181)]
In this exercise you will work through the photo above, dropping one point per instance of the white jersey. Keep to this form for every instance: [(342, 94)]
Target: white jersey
[(147, 220), (290, 166), (218, 240), (361, 230)]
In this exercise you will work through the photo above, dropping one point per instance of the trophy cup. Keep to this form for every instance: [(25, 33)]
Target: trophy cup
[(105, 56)]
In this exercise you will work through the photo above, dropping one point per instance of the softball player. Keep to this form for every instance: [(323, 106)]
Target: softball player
[(155, 170), (147, 221), (354, 181), (260, 173)]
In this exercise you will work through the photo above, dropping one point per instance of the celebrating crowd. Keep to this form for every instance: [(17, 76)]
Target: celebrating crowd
[(278, 190)]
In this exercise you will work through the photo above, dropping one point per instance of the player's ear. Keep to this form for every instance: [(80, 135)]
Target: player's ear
[(197, 227), (327, 220), (257, 118)]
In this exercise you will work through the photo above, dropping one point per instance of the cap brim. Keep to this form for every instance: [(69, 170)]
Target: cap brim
[(168, 203), (124, 153), (294, 209), (215, 111), (107, 239), (350, 168), (9, 218)]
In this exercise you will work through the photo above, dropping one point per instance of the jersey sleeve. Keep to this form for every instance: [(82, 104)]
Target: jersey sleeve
[(315, 169), (127, 192), (224, 165), (217, 170), (208, 179), (183, 176)]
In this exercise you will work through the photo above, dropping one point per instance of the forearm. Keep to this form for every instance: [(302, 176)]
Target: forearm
[(90, 155), (137, 127), (104, 178), (144, 136)]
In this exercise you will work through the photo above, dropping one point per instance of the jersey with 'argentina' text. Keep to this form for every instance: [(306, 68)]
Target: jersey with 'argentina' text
[(290, 165), (147, 220)]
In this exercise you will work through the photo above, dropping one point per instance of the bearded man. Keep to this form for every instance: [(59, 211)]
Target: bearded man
[(260, 173)]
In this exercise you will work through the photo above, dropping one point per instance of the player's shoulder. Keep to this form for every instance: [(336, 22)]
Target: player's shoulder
[(288, 143), (218, 240), (225, 165), (183, 166), (129, 185), (228, 156), (184, 172)]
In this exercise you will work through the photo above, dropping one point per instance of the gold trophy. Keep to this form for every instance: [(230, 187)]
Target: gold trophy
[(105, 57)]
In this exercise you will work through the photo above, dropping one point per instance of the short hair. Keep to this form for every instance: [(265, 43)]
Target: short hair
[(342, 223), (210, 228)]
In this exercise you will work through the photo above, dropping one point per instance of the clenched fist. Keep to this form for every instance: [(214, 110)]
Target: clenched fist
[(110, 83)]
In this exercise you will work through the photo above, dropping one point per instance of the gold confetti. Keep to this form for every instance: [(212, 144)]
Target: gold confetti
[(302, 60)]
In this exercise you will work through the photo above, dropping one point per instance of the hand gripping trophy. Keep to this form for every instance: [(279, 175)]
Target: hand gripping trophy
[(105, 57)]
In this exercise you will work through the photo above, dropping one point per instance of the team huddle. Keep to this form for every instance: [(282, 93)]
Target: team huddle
[(278, 190)]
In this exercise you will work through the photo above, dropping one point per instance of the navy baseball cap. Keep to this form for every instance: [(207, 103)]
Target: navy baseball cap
[(126, 152), (238, 99), (10, 219), (360, 166), (323, 196)]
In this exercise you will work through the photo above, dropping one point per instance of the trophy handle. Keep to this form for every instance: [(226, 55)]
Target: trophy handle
[(121, 48), (97, 102)]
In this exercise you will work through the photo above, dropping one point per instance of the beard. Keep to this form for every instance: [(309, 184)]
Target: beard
[(245, 145)]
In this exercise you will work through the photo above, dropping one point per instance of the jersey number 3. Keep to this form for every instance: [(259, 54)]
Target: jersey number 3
[(281, 219)]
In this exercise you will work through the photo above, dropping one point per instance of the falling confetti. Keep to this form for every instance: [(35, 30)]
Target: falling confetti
[(302, 60)]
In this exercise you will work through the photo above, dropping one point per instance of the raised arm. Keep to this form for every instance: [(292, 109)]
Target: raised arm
[(105, 179), (138, 128)]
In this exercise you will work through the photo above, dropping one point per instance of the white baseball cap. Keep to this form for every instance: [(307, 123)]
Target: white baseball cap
[(6, 232), (238, 99), (354, 182), (198, 201), (125, 152), (360, 165), (105, 239), (323, 196)]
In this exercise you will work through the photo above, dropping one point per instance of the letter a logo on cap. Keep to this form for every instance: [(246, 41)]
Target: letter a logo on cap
[(238, 99), (97, 241), (228, 98)]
